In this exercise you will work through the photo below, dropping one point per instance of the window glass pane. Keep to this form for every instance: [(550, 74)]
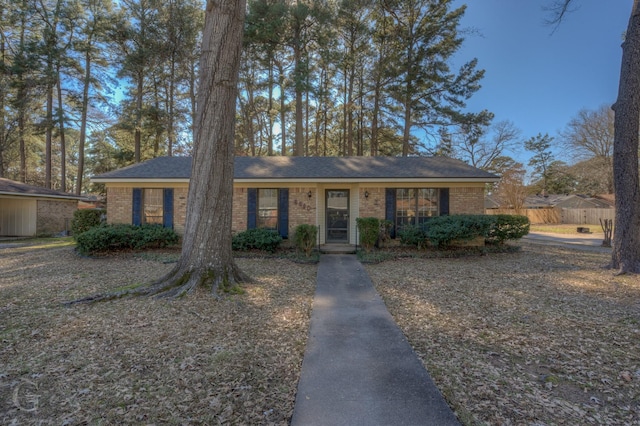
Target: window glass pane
[(152, 207), (427, 204), (415, 206), (268, 208), (405, 207)]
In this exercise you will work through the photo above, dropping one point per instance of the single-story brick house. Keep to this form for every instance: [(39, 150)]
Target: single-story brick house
[(28, 211), (284, 192)]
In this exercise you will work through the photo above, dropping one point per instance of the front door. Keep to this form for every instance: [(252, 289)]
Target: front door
[(337, 213)]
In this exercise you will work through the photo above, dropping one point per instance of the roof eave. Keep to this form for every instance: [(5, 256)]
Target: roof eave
[(139, 180), (309, 180), (22, 194)]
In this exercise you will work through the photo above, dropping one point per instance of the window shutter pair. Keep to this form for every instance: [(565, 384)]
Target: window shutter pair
[(167, 207), (283, 210)]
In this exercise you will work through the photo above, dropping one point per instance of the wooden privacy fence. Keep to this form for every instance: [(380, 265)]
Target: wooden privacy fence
[(587, 216), (560, 215)]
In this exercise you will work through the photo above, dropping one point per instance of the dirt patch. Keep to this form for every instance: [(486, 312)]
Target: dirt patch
[(139, 361), (544, 336)]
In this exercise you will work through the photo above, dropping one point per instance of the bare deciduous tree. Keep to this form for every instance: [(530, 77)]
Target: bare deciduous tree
[(625, 255), (589, 136)]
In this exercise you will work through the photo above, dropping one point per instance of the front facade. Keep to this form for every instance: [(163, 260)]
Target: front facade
[(283, 192)]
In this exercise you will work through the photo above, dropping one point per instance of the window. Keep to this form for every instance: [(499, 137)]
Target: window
[(152, 206), (267, 208), (415, 206)]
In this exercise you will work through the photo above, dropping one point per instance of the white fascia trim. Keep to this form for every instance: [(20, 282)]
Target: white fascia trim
[(146, 180), (371, 180), (311, 180), (14, 195)]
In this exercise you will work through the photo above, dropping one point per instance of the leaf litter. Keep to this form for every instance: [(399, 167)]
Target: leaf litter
[(145, 361), (540, 337)]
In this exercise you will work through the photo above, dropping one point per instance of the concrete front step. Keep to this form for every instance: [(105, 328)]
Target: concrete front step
[(337, 249)]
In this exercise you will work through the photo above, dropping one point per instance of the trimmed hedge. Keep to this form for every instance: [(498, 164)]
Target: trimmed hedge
[(507, 227), (413, 235), (83, 220), (124, 237), (258, 239), (305, 238), (443, 230)]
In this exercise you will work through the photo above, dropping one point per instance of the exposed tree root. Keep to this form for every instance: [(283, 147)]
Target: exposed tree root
[(178, 283), (623, 268)]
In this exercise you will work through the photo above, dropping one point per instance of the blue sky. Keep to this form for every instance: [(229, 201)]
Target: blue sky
[(539, 78)]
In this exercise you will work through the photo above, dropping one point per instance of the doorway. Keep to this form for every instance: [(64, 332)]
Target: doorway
[(337, 214)]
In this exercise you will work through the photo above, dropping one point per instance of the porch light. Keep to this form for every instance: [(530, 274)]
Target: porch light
[(309, 194), (366, 194)]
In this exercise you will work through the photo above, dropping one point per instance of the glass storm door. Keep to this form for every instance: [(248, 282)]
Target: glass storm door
[(337, 213)]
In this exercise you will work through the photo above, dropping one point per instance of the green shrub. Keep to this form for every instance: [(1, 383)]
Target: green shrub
[(83, 220), (413, 235), (442, 230), (369, 231), (122, 237), (258, 239), (305, 238), (507, 227)]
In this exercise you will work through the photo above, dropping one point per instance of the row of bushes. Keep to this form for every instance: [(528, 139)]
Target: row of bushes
[(93, 236), (124, 237), (269, 240), (443, 230)]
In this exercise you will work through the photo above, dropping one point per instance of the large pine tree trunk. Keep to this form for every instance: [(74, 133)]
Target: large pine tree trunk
[(206, 250), (63, 142), (626, 240), (83, 119)]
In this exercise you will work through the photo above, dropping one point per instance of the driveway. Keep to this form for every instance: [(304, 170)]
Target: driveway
[(584, 241)]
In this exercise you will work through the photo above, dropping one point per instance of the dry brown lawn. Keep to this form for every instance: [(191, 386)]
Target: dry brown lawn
[(146, 361), (540, 337)]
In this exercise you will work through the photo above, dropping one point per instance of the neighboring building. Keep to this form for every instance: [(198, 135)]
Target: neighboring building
[(283, 192), (27, 211), (571, 201)]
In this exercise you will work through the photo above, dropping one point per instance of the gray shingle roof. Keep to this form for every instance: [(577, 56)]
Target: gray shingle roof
[(321, 168), (10, 187)]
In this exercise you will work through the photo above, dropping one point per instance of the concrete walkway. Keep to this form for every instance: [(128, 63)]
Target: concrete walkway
[(358, 368)]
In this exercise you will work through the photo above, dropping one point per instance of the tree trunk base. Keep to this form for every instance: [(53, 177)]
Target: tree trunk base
[(180, 282), (183, 281), (623, 268)]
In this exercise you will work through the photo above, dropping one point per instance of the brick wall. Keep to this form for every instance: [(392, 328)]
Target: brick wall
[(239, 210), (374, 204), (54, 216), (119, 207), (179, 209), (466, 200), (302, 209)]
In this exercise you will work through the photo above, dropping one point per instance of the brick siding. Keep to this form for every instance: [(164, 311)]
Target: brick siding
[(239, 210), (54, 216), (179, 209), (119, 205), (466, 200), (302, 209), (374, 204)]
